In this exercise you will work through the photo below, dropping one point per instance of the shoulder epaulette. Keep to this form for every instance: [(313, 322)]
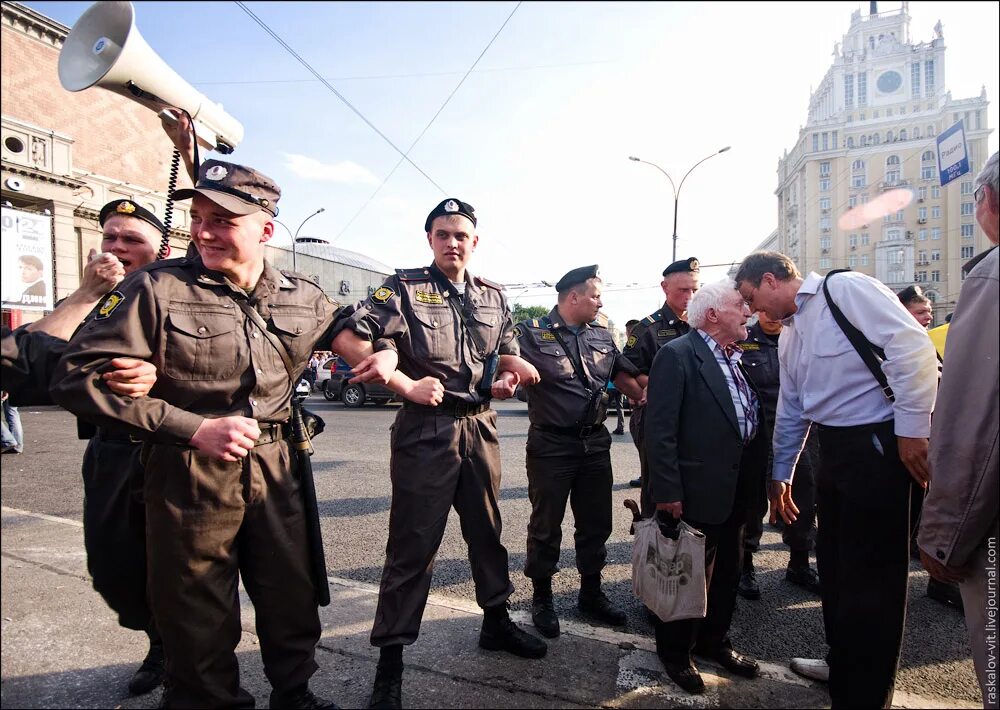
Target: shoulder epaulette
[(419, 274), (289, 274), (652, 318), (535, 323), (491, 284)]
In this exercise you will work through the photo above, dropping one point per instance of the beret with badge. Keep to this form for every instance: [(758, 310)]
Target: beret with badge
[(449, 207), (576, 276), (689, 265), (235, 188), (128, 208)]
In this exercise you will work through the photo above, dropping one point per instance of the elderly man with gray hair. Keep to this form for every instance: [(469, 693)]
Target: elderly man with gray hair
[(706, 452), (958, 530)]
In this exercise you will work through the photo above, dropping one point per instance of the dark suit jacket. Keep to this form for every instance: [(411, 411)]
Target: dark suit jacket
[(694, 448)]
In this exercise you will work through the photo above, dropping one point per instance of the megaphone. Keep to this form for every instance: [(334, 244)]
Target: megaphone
[(105, 49)]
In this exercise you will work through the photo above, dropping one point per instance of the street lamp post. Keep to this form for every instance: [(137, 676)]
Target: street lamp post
[(295, 237), (677, 190)]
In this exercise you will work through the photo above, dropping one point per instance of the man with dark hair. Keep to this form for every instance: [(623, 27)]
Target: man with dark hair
[(619, 395), (873, 446), (917, 303), (568, 451), (679, 284), (32, 273)]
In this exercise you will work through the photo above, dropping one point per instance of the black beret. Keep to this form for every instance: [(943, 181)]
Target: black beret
[(449, 207), (689, 265), (127, 208), (576, 276)]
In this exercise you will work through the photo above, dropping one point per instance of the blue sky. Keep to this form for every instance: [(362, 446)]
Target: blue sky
[(537, 138)]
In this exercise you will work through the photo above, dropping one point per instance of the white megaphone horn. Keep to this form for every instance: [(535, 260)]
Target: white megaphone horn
[(105, 49)]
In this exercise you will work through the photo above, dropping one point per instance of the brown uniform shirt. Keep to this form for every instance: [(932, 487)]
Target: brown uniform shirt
[(412, 313), (561, 399), (653, 332), (211, 359)]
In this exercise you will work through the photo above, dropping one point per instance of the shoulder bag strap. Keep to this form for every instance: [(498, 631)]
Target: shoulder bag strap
[(253, 315), (576, 363), (872, 355)]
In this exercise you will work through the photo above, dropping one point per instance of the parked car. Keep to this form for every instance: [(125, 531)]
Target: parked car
[(324, 370), (336, 386)]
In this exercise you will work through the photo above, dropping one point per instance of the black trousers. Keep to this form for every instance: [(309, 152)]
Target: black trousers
[(800, 536), (636, 429), (114, 529), (571, 471), (675, 640), (862, 551)]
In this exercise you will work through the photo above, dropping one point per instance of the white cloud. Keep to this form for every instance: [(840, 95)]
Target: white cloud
[(345, 171)]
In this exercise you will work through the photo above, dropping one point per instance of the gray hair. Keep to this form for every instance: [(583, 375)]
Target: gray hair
[(991, 174), (712, 296), (754, 267)]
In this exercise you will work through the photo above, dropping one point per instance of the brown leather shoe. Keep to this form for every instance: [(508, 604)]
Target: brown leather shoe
[(737, 663), (686, 676)]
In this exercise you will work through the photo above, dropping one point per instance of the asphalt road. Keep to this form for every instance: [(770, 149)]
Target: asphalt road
[(351, 466)]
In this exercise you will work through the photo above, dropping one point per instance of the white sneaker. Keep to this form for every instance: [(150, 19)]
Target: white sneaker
[(812, 668)]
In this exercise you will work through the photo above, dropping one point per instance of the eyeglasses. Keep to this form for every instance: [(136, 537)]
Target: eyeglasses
[(978, 194)]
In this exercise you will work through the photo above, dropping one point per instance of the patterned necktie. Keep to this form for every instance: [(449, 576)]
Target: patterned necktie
[(748, 400)]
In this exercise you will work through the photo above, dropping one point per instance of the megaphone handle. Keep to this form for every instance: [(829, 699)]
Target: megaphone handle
[(175, 167)]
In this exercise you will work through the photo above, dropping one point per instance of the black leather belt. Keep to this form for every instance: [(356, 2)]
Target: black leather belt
[(579, 432), (270, 433), (450, 407), (118, 437)]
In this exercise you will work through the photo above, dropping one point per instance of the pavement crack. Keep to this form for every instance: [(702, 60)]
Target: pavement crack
[(45, 566)]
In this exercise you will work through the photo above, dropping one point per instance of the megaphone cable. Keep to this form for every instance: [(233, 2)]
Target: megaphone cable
[(175, 168)]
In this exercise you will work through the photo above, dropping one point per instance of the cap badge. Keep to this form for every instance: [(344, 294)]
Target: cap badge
[(693, 263), (125, 208), (451, 206), (216, 172)]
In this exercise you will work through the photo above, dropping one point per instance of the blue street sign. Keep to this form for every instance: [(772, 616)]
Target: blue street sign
[(953, 156)]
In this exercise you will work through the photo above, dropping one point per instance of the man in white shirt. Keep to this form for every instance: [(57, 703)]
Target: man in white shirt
[(873, 443)]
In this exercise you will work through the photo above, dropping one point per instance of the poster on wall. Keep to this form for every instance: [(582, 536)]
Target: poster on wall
[(26, 245)]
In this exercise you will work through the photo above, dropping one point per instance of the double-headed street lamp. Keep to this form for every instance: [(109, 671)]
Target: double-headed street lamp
[(295, 238), (677, 190)]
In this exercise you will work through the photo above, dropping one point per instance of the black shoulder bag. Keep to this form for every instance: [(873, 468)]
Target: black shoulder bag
[(871, 354)]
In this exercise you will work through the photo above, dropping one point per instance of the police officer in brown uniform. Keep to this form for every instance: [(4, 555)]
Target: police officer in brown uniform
[(448, 328), (222, 492), (114, 520), (680, 281), (569, 448)]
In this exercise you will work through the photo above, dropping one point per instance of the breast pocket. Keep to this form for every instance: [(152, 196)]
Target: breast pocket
[(432, 334), (602, 358), (201, 344), (554, 363), (485, 322), (296, 328)]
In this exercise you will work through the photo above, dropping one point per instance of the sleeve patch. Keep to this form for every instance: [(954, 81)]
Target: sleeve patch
[(632, 340), (517, 331), (111, 302), (383, 294)]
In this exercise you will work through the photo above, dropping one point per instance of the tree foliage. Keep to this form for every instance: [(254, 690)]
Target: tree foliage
[(525, 312)]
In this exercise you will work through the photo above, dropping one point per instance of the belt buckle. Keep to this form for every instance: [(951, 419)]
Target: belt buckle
[(586, 431), (461, 409)]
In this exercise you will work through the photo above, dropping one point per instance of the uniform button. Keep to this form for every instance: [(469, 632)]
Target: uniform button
[(253, 402), (940, 555), (260, 371), (253, 334), (298, 329), (493, 321), (202, 329), (434, 323)]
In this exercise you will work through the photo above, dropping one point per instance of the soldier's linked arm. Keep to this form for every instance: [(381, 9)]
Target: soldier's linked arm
[(127, 325)]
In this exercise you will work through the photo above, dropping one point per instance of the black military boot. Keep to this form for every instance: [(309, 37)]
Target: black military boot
[(593, 602), (151, 672), (499, 633), (543, 614), (387, 691), (300, 697)]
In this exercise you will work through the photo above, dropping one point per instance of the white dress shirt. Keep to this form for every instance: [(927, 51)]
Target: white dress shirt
[(824, 380)]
